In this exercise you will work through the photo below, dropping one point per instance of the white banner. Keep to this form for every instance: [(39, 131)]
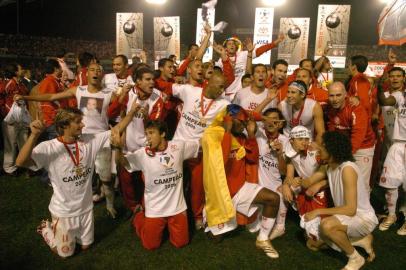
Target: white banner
[(294, 47), (129, 33), (200, 33), (332, 31), (263, 32), (166, 37), (375, 69)]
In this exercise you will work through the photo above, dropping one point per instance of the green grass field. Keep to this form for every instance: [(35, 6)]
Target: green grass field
[(24, 202)]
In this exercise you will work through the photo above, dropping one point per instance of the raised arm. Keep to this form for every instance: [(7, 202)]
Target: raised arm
[(266, 47), (24, 156), (250, 48), (205, 43), (384, 101), (121, 126)]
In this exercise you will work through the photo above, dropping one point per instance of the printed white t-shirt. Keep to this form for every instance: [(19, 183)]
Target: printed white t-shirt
[(163, 177), (72, 188), (250, 101), (399, 129), (190, 126)]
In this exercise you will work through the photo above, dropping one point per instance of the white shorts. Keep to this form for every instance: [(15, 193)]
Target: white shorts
[(394, 168), (78, 229), (358, 226), (103, 164), (364, 159), (242, 202)]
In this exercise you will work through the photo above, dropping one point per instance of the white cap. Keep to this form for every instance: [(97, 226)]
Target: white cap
[(300, 132)]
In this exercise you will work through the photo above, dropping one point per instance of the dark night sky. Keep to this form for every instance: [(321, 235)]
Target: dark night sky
[(95, 19)]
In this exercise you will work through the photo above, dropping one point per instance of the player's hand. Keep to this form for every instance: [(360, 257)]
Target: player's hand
[(391, 57), (115, 138), (37, 127), (296, 182), (287, 193), (220, 50), (126, 88), (312, 190), (18, 97), (207, 28), (272, 93), (144, 111), (249, 45), (277, 147), (311, 215), (354, 101), (251, 128), (135, 106), (280, 38)]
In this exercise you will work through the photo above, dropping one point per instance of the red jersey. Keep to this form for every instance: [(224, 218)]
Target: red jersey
[(359, 86), (237, 171), (49, 85), (81, 78), (354, 122)]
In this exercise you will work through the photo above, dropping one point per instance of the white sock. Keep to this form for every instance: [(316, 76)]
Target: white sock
[(266, 227), (49, 236), (281, 217), (354, 255), (391, 197)]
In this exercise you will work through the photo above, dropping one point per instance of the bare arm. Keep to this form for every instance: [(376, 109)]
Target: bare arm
[(71, 92), (24, 156), (384, 101), (122, 125), (317, 177), (272, 94), (318, 123), (205, 43), (250, 49)]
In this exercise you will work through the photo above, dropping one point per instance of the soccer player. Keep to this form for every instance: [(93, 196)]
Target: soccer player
[(93, 100), (247, 196), (354, 122), (299, 110), (83, 61), (325, 73), (394, 168), (278, 79), (152, 108), (120, 77), (272, 162), (313, 91), (14, 134), (352, 218), (70, 160), (161, 162)]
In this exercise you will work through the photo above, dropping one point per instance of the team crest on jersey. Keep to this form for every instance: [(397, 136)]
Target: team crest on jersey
[(167, 160), (174, 147)]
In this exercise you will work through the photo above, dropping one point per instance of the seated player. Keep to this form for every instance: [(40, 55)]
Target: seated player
[(161, 163), (352, 219), (70, 160), (246, 197)]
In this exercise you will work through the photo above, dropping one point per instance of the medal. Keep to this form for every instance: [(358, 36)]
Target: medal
[(76, 158), (296, 121), (203, 111)]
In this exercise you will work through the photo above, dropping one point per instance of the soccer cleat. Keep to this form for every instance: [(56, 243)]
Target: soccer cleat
[(366, 244), (277, 232), (355, 263), (267, 247), (387, 222), (199, 224), (402, 230)]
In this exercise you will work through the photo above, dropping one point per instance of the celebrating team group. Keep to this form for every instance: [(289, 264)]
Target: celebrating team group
[(237, 143)]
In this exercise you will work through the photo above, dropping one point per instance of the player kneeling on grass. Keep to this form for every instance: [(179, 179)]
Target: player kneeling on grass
[(161, 163), (246, 197), (69, 160), (352, 219)]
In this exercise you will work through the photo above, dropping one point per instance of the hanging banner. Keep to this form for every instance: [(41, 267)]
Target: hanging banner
[(129, 34), (166, 37), (332, 31), (200, 33), (375, 69), (263, 32), (294, 47)]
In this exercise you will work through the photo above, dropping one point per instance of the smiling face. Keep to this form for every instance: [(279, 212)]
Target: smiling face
[(119, 67), (294, 96)]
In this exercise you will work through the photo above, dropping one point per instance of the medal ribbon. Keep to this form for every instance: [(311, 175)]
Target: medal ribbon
[(75, 158), (204, 112), (295, 121)]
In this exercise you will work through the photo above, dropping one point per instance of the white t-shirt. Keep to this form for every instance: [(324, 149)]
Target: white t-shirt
[(335, 181), (388, 113), (72, 188), (239, 62), (268, 169), (94, 107), (250, 101), (190, 126), (399, 129), (114, 83), (135, 133), (306, 165), (306, 119), (163, 176)]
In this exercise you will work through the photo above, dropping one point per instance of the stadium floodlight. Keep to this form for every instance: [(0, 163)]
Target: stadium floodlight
[(274, 3), (156, 2)]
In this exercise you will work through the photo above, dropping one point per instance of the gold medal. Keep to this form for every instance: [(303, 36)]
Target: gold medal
[(78, 170), (203, 120)]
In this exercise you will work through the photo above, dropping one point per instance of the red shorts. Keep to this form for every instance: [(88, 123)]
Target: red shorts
[(306, 204), (150, 230)]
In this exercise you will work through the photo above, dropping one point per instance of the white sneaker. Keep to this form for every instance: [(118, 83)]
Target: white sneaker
[(366, 244), (355, 263), (387, 222), (277, 231), (402, 230), (267, 247)]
